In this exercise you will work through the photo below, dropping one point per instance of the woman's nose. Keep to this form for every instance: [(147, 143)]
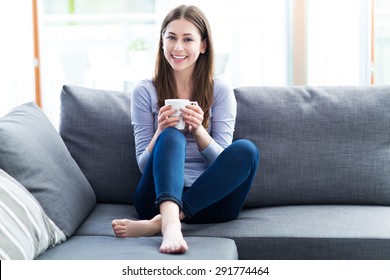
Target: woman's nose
[(178, 46)]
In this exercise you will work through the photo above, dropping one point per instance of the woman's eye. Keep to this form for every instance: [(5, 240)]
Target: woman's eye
[(170, 38), (188, 40)]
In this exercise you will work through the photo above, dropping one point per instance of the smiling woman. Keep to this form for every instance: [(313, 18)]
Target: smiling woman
[(179, 167), (186, 46)]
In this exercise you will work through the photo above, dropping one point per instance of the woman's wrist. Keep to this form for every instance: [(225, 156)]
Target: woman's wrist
[(153, 141), (202, 138)]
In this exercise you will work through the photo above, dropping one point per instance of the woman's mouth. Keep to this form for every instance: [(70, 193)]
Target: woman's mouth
[(179, 57)]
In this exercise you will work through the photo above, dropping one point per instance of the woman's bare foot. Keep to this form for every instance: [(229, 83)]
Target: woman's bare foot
[(173, 241), (168, 223), (132, 228)]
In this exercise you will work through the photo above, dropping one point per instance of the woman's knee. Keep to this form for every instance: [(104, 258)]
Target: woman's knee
[(247, 149), (172, 135)]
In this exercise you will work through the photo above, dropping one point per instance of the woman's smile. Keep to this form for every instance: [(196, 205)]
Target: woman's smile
[(179, 58)]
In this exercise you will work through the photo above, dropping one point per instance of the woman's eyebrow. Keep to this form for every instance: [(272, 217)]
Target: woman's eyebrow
[(185, 34)]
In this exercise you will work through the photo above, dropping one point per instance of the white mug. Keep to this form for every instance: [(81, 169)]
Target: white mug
[(179, 104)]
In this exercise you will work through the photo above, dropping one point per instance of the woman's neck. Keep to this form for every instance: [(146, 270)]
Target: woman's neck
[(183, 86)]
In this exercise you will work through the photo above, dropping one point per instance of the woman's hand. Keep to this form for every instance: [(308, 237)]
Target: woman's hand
[(193, 117), (165, 118)]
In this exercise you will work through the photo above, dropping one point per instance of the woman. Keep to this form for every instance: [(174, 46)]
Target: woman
[(197, 175)]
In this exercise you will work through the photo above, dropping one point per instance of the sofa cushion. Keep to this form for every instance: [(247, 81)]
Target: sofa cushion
[(115, 248), (99, 221), (318, 144), (306, 232), (25, 229), (32, 152), (96, 127), (282, 232)]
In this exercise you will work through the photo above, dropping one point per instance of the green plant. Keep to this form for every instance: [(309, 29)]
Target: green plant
[(138, 45)]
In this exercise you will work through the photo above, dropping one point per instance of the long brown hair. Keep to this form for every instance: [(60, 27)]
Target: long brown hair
[(202, 78)]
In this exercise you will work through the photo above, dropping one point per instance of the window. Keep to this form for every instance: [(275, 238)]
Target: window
[(16, 55), (112, 44), (382, 42), (338, 42)]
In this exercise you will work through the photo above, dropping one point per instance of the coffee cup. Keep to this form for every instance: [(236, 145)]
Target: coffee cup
[(178, 104)]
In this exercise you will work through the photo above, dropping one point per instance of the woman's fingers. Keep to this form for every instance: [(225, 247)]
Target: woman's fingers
[(165, 118), (193, 115)]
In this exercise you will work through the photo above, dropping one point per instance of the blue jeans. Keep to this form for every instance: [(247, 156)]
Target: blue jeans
[(216, 196)]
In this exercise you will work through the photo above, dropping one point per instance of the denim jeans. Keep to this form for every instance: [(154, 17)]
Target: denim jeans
[(216, 196)]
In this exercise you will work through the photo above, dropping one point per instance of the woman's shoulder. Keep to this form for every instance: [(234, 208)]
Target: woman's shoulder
[(144, 85), (222, 87), (144, 90)]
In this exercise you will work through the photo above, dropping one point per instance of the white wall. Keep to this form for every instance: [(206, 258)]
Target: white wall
[(17, 84)]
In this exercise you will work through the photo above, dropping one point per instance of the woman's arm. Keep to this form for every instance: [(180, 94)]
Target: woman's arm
[(193, 117), (223, 118), (143, 116)]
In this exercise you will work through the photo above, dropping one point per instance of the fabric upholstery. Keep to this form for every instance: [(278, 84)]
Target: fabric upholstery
[(99, 221), (283, 232), (32, 151), (308, 232), (96, 127), (25, 229), (318, 144), (115, 248), (321, 192)]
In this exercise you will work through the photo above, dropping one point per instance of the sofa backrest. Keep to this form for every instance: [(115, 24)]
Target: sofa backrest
[(96, 128), (318, 145)]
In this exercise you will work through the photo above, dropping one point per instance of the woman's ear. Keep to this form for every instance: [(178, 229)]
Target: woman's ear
[(203, 47)]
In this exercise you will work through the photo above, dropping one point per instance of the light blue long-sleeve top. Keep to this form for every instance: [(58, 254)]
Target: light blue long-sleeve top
[(144, 115)]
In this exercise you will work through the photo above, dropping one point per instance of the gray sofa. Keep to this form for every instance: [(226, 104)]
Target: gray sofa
[(322, 190)]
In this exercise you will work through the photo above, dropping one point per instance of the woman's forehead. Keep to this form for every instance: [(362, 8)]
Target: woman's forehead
[(182, 27)]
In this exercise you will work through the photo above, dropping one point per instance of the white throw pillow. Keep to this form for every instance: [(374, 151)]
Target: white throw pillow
[(25, 229)]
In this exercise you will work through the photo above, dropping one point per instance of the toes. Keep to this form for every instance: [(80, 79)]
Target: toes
[(176, 248), (119, 230), (114, 223), (167, 249), (118, 222)]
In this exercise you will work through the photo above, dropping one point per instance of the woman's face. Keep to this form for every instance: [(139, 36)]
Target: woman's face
[(182, 45)]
